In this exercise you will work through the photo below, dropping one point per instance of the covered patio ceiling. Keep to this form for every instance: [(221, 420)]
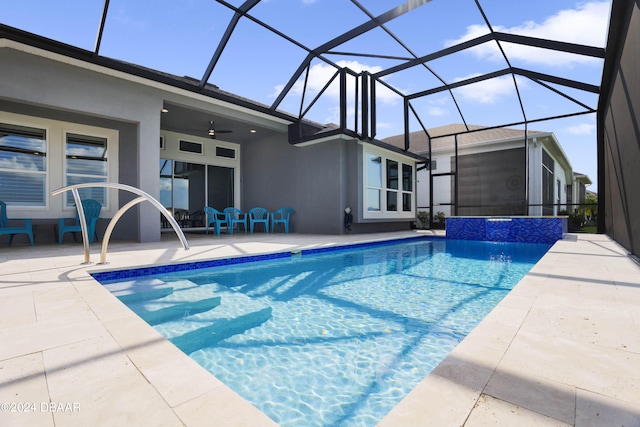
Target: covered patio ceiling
[(375, 69)]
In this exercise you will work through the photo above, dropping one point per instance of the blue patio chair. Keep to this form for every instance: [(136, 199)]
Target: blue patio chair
[(259, 216), (215, 217), (236, 216), (91, 210), (281, 216), (12, 231)]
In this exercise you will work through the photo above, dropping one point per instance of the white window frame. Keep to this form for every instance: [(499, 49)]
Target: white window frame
[(55, 206), (90, 133), (44, 173), (208, 157), (383, 213), (112, 138)]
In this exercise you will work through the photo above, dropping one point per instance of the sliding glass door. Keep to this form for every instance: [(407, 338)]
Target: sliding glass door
[(186, 188)]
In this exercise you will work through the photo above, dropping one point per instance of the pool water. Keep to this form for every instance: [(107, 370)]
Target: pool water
[(335, 338)]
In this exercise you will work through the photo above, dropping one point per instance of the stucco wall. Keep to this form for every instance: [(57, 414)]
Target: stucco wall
[(619, 127), (309, 179), (65, 92)]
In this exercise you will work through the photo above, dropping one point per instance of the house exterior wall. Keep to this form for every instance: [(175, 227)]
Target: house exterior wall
[(318, 180), (443, 185), (309, 179), (62, 91)]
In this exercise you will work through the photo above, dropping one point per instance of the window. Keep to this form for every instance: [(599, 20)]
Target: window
[(374, 182), (407, 187), (389, 187), (191, 147), (229, 153), (23, 165), (547, 184), (392, 184), (86, 161)]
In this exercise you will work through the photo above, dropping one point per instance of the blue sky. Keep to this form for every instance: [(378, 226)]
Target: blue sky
[(180, 38)]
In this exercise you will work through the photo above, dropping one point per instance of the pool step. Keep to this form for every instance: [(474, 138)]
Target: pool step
[(132, 291), (192, 316), (179, 310), (186, 299), (219, 330), (235, 314)]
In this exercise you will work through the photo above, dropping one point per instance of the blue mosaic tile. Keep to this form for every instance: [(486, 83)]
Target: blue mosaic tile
[(498, 230), (536, 230), (466, 228), (106, 276), (362, 245), (516, 229), (116, 275)]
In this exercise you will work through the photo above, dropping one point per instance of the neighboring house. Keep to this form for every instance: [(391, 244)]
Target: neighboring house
[(498, 174), (66, 118), (579, 190)]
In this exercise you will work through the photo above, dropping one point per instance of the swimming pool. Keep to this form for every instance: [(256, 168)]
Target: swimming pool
[(330, 337)]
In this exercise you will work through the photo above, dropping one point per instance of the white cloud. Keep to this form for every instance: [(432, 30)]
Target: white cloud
[(586, 24), (581, 129), (437, 111), (486, 91), (437, 106), (321, 73)]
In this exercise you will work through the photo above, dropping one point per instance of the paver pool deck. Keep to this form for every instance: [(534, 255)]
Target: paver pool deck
[(563, 348)]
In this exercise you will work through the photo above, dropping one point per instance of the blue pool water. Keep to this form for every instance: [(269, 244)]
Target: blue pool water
[(333, 338)]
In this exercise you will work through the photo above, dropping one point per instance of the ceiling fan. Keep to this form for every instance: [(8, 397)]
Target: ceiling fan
[(212, 131)]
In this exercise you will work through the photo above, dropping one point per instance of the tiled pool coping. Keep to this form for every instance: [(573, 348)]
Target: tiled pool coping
[(110, 275)]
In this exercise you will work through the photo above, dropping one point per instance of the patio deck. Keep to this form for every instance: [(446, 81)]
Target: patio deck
[(563, 348)]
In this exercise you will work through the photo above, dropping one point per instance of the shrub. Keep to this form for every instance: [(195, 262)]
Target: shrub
[(576, 221), (438, 220), (423, 217)]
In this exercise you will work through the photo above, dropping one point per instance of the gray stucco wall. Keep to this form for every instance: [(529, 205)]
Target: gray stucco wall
[(319, 181), (309, 179), (619, 127), (64, 92)]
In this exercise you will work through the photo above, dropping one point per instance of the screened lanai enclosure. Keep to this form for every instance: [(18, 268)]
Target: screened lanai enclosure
[(358, 70)]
